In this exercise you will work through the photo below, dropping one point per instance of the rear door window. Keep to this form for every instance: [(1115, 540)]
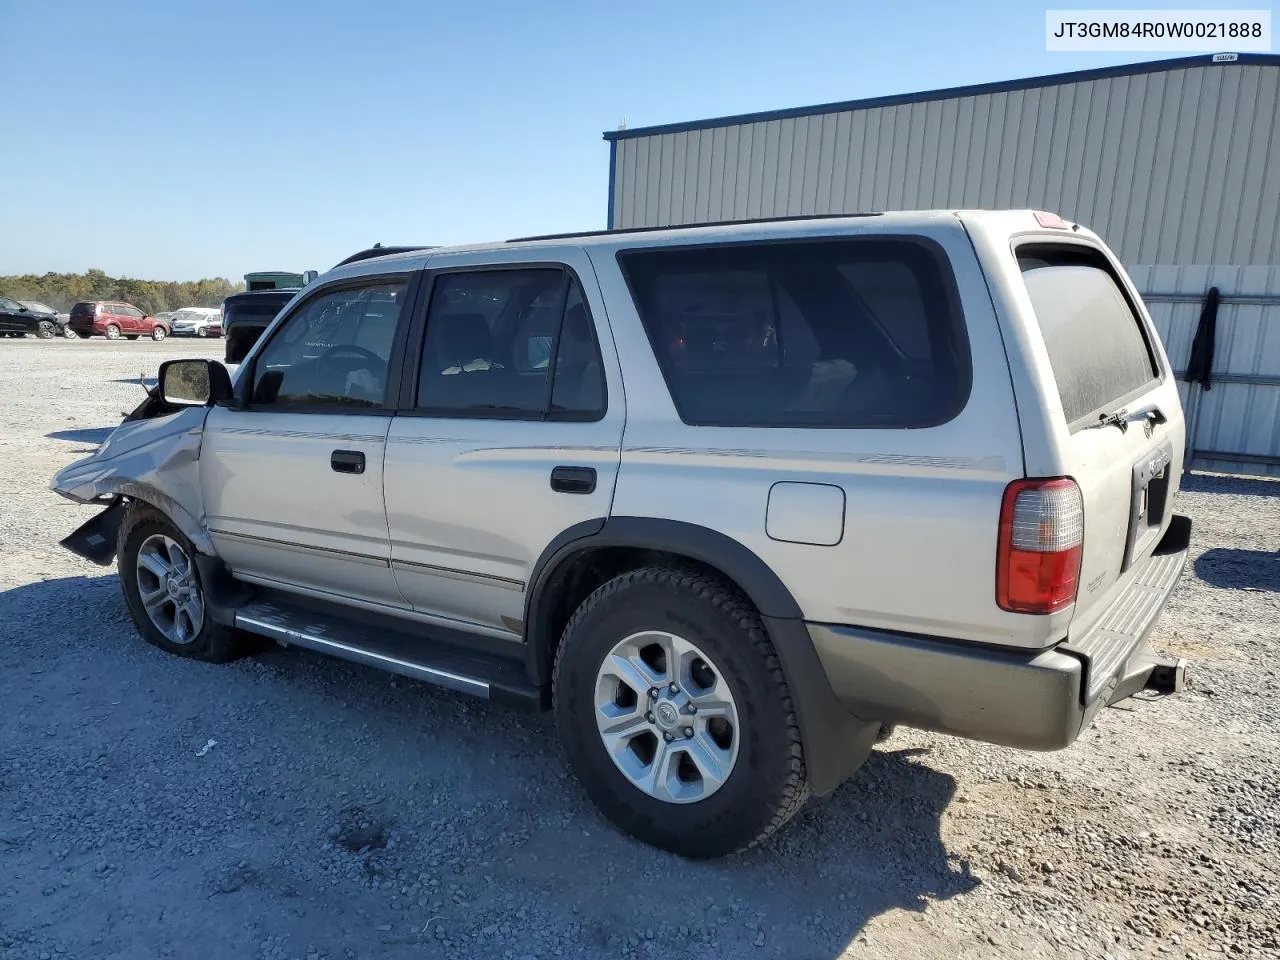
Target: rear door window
[(813, 333), (1097, 345), (510, 344)]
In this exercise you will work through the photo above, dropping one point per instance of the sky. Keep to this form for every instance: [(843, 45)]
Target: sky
[(174, 141)]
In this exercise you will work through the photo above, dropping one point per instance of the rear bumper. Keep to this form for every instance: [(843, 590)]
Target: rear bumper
[(1037, 700)]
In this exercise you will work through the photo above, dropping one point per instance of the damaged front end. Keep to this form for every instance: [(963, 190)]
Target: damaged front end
[(153, 457)]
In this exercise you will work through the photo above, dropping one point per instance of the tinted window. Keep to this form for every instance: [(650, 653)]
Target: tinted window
[(839, 333), (252, 311), (7, 304), (82, 309), (333, 351), (510, 343), (1097, 348)]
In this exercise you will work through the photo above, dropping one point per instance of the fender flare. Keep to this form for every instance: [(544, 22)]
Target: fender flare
[(835, 742), (153, 496)]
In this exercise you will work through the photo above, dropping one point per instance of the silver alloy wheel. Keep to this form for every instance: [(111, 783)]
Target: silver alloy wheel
[(112, 332), (667, 717), (157, 333), (169, 589)]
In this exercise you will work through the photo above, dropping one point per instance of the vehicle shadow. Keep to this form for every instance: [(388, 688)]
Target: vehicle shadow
[(1236, 569), (469, 802), (1222, 483), (85, 435)]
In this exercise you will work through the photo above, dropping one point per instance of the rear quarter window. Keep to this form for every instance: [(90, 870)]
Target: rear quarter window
[(1097, 345), (828, 332)]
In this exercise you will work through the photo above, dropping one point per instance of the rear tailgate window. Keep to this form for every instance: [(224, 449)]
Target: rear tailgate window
[(258, 314), (812, 333), (1097, 345)]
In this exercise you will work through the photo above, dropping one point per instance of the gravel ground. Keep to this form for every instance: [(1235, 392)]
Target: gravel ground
[(296, 806)]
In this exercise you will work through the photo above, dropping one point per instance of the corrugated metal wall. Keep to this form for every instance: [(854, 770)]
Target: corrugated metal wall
[(1234, 426), (1173, 167), (1178, 169)]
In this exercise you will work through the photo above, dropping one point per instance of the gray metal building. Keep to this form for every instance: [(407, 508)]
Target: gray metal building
[(1175, 162)]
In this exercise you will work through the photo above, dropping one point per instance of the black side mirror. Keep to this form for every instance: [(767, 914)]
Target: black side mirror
[(193, 383)]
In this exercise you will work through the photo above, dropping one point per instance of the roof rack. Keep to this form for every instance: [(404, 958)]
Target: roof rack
[(690, 226), (377, 250)]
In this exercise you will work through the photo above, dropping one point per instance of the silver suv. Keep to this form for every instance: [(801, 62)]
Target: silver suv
[(729, 499)]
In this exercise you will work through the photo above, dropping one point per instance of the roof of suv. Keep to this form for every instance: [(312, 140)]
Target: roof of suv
[(737, 230)]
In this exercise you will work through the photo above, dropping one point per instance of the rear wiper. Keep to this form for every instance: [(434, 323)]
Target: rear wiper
[(1120, 418)]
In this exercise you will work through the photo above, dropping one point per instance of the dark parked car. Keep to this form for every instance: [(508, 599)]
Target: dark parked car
[(113, 320), (18, 319), (246, 315)]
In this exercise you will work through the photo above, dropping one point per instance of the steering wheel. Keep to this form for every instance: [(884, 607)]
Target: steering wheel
[(349, 348)]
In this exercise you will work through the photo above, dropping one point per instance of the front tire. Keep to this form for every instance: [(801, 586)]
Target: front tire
[(638, 653), (69, 333), (163, 590), (158, 334)]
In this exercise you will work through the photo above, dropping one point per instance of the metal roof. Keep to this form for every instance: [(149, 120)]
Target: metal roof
[(1001, 86)]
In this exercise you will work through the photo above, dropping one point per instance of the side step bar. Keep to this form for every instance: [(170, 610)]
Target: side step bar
[(397, 650)]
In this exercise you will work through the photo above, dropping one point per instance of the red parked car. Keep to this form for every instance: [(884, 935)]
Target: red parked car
[(114, 320)]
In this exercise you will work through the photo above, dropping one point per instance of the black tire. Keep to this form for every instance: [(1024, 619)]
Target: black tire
[(69, 333), (214, 643), (158, 333), (768, 784), (111, 332), (46, 330)]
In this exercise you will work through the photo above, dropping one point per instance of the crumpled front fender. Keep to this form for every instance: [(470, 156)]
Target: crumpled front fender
[(156, 461)]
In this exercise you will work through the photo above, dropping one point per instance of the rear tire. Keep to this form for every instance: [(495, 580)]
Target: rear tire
[(46, 330), (764, 782), (151, 553), (69, 333), (112, 332)]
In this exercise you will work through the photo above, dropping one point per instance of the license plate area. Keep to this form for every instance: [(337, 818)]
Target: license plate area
[(1150, 502)]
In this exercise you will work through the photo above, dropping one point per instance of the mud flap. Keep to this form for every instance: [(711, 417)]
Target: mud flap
[(96, 540)]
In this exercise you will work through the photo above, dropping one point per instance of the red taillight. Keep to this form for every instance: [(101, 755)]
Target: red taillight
[(1041, 537)]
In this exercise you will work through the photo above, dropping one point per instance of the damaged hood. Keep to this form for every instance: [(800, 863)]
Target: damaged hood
[(154, 460)]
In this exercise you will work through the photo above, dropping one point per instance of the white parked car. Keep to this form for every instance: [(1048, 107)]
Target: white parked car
[(197, 322)]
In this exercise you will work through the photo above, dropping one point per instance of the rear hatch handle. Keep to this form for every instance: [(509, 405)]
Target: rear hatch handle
[(1152, 416)]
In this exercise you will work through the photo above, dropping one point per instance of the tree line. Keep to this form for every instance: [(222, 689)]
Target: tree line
[(61, 290)]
